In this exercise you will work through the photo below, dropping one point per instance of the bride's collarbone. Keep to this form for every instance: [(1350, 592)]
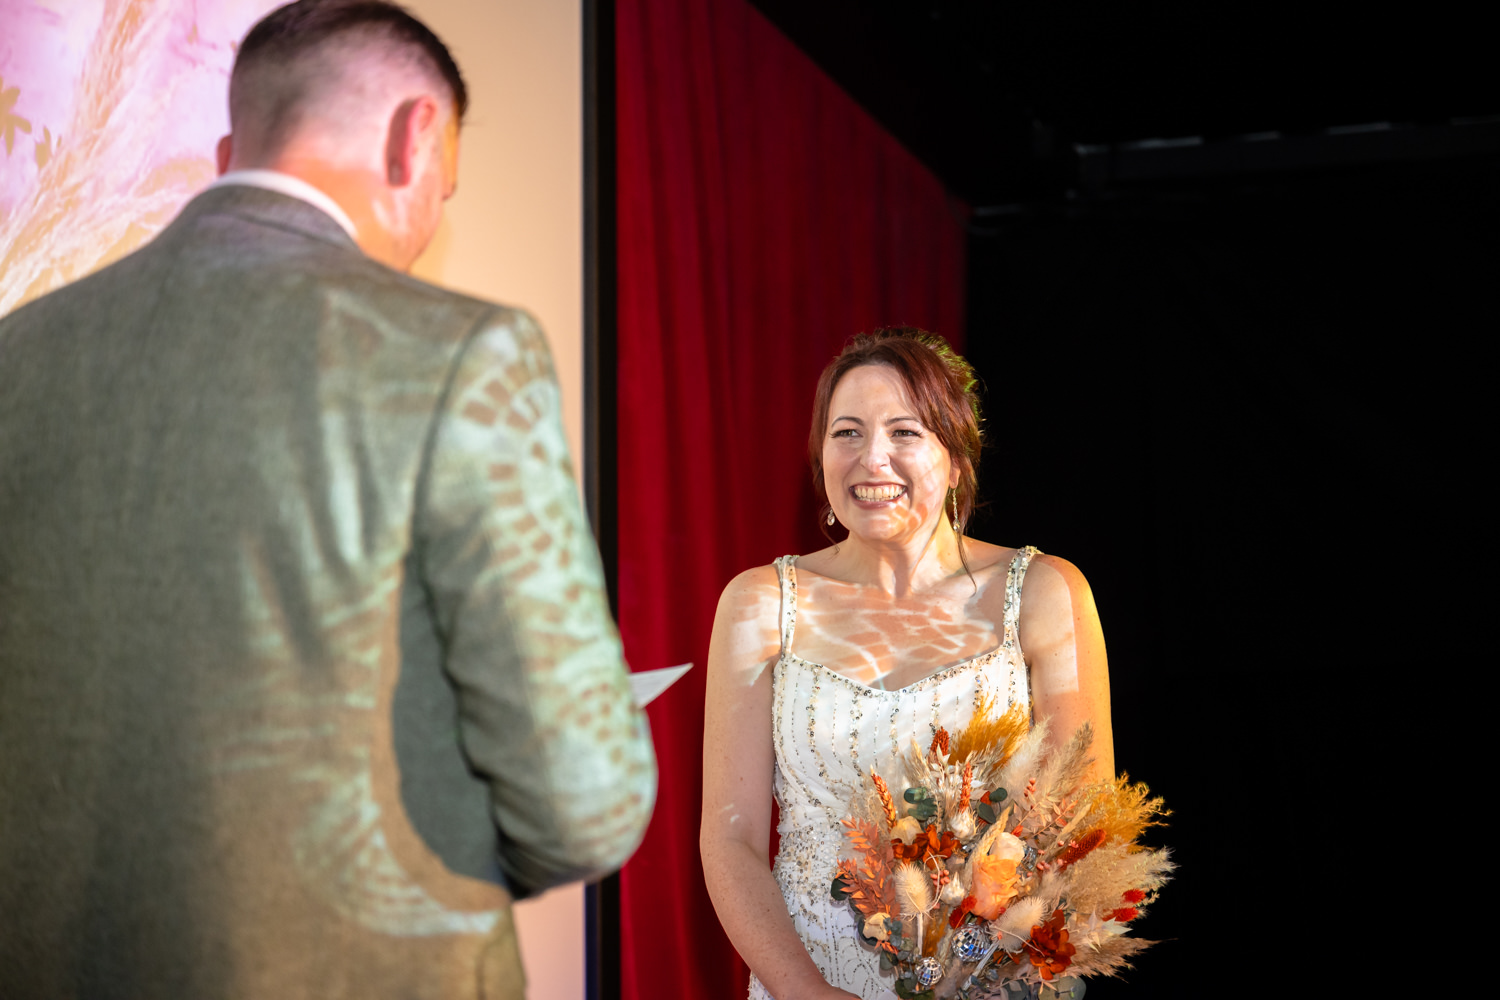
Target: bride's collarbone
[(978, 594), (867, 634)]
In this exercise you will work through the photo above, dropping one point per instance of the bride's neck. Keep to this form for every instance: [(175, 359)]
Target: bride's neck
[(900, 568)]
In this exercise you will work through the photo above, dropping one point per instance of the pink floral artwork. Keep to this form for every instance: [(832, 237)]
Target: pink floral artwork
[(109, 113)]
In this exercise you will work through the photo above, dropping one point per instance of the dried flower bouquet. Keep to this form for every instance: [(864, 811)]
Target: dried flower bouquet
[(988, 868)]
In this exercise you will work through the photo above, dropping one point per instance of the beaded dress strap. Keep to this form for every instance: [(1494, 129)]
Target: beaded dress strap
[(786, 573), (1013, 581)]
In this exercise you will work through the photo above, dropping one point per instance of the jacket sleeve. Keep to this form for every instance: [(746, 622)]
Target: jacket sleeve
[(517, 593)]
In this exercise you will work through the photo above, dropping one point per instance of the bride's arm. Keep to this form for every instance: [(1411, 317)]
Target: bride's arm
[(735, 834), (1064, 644)]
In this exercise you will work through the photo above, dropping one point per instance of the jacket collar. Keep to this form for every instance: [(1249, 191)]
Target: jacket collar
[(293, 187), (269, 208)]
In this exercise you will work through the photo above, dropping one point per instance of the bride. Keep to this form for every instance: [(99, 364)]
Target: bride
[(826, 665)]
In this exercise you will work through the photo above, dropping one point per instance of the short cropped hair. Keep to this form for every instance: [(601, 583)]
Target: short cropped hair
[(942, 389), (284, 51)]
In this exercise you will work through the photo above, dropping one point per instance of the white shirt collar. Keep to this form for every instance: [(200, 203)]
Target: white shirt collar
[(292, 187)]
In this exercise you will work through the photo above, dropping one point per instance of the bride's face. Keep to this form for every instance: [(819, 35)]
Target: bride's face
[(887, 475)]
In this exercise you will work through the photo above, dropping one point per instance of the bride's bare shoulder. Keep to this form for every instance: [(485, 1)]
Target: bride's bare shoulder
[(988, 566), (747, 623), (756, 587), (983, 556), (819, 562)]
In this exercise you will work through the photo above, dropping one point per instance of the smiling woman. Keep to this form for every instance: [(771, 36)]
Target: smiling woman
[(936, 389), (826, 667)]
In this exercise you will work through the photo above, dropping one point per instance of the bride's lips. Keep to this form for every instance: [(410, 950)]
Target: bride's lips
[(876, 495)]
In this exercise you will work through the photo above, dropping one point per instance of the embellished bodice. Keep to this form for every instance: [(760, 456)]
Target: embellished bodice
[(828, 731)]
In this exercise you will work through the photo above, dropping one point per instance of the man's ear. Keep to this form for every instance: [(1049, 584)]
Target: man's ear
[(224, 151), (403, 144)]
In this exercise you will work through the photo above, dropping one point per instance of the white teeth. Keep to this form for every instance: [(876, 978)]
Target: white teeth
[(878, 492)]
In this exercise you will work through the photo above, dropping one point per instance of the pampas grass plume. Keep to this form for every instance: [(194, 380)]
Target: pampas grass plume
[(1065, 768), (1025, 762), (1015, 924), (1123, 810), (1108, 957), (1097, 881), (989, 739), (913, 889)]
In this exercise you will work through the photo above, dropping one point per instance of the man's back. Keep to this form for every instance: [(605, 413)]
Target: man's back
[(276, 524)]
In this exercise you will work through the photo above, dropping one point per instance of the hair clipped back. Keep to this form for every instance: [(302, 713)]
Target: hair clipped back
[(295, 37), (941, 385)]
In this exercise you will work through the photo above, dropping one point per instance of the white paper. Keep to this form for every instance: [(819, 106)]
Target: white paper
[(647, 684)]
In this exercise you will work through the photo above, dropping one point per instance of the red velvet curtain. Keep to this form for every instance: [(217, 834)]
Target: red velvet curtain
[(763, 218)]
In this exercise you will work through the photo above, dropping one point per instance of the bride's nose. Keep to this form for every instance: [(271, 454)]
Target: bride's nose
[(877, 453)]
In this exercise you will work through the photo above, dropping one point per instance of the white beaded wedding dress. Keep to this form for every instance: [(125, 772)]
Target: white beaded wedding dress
[(828, 731)]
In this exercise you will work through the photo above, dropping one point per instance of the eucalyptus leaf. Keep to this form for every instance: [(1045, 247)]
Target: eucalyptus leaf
[(906, 991), (1064, 988)]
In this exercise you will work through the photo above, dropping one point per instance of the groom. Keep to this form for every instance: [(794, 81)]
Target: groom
[(306, 665)]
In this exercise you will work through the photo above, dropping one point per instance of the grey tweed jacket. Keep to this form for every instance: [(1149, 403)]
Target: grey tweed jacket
[(306, 665)]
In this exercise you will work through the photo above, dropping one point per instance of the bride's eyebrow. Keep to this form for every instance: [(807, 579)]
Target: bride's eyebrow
[(888, 422)]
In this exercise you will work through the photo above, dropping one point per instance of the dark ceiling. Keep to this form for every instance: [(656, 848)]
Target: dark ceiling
[(997, 97)]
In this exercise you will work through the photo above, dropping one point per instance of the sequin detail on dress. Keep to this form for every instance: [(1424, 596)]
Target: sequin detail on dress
[(828, 731)]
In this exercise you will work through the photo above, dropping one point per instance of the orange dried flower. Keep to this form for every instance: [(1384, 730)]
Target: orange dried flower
[(1134, 895), (885, 799), (946, 845), (957, 916), (1124, 914), (1049, 948), (963, 795), (927, 844), (940, 742), (907, 853), (994, 884), (1079, 848)]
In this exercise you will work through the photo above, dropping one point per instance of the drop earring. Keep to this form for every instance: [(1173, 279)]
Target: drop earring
[(957, 524), (830, 517)]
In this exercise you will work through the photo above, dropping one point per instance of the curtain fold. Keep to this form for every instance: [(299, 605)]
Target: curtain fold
[(763, 218)]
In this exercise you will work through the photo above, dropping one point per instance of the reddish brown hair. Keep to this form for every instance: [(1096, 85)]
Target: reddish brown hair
[(940, 384)]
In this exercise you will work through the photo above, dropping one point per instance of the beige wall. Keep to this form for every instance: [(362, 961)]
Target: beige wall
[(513, 233)]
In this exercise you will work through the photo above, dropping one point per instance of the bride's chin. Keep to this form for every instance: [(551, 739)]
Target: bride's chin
[(873, 530), (884, 527)]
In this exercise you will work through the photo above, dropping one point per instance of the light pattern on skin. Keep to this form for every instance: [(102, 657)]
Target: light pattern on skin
[(868, 636), (828, 730)]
